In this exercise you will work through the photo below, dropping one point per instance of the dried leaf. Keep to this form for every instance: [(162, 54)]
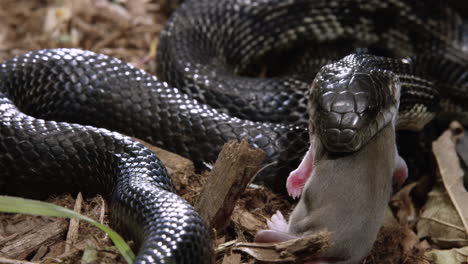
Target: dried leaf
[(232, 259), (445, 217), (440, 221), (113, 12), (450, 170), (462, 151), (452, 256), (405, 211), (56, 17), (90, 254)]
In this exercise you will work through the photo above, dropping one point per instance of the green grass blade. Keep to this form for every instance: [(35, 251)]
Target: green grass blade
[(9, 204)]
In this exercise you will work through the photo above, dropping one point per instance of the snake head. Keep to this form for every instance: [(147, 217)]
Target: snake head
[(352, 100)]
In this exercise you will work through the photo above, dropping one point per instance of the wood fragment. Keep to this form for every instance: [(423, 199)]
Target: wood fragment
[(247, 221), (109, 38), (450, 170), (77, 249), (11, 237), (72, 234), (25, 245), (233, 258), (40, 253), (291, 251), (13, 261), (137, 8), (116, 13), (57, 249), (102, 211), (237, 163)]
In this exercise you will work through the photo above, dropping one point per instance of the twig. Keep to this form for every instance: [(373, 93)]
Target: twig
[(72, 234), (236, 165)]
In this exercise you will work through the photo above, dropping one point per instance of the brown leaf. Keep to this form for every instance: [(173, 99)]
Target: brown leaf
[(444, 218), (232, 259), (452, 256), (440, 221), (402, 202), (450, 170)]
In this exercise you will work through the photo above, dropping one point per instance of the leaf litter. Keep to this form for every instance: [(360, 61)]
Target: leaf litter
[(129, 30)]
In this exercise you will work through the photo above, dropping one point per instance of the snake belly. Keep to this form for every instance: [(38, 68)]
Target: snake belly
[(58, 107)]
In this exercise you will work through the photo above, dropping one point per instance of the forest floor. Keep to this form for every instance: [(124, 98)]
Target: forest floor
[(129, 30)]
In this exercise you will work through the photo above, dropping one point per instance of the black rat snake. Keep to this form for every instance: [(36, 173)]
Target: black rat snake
[(211, 51)]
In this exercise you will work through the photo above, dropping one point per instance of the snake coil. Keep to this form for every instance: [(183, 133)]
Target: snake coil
[(55, 104)]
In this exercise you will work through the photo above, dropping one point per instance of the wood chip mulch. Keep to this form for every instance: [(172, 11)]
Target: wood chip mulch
[(129, 30)]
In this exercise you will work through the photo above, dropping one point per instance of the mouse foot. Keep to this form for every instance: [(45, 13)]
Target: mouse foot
[(278, 223)]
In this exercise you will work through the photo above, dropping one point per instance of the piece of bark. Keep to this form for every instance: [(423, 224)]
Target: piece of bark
[(40, 253), (233, 258), (72, 234), (247, 221), (237, 163), (290, 251), (25, 245), (74, 253), (11, 237), (56, 250), (102, 211), (14, 261)]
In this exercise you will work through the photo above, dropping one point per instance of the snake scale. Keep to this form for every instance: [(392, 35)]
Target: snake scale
[(58, 107)]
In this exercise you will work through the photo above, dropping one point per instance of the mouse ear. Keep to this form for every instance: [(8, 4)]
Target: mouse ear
[(298, 177), (400, 172)]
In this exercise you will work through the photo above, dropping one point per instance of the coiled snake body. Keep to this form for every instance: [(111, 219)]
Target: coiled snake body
[(209, 51)]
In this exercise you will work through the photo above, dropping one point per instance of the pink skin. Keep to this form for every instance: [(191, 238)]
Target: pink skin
[(401, 171), (298, 177)]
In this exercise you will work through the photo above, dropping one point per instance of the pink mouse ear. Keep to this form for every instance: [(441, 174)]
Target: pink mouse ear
[(298, 177), (401, 171)]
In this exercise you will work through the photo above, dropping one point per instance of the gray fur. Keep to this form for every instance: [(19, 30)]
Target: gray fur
[(348, 195)]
